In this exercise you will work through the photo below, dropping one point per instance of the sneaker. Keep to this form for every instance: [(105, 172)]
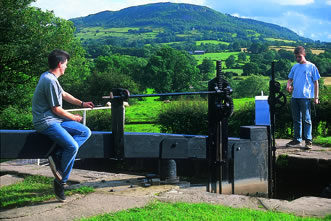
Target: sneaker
[(59, 190), (308, 146), (293, 143), (55, 172)]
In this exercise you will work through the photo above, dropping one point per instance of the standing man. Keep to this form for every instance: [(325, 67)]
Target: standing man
[(303, 84), (51, 119)]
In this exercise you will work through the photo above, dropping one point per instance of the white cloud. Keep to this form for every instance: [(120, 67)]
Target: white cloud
[(77, 8), (293, 2), (302, 24), (239, 16), (328, 2)]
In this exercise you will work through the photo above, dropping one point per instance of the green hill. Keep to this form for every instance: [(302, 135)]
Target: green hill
[(178, 22)]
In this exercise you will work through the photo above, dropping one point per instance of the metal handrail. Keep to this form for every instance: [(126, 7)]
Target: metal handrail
[(126, 104)]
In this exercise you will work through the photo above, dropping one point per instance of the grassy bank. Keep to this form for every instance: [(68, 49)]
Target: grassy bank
[(32, 190), (200, 211), (323, 141)]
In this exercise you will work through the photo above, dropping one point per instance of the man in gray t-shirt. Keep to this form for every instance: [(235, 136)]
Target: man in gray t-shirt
[(51, 119), (48, 94)]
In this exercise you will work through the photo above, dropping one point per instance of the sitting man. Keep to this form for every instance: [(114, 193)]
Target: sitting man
[(51, 119)]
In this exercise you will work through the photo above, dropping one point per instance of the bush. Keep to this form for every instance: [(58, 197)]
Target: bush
[(243, 116), (191, 117), (12, 118), (184, 117), (322, 118), (99, 120)]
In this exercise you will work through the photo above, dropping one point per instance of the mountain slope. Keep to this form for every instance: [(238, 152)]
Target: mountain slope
[(182, 17)]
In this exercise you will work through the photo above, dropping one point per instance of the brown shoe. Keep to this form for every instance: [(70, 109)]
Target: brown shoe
[(308, 146), (293, 143), (55, 172)]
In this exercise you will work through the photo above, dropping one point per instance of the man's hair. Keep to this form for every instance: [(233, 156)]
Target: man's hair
[(57, 56), (299, 50)]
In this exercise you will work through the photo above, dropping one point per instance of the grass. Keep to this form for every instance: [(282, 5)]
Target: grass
[(215, 56), (199, 211), (143, 111), (143, 128), (215, 42), (323, 141), (33, 189)]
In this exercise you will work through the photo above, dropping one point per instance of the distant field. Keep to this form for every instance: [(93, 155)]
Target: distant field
[(100, 32), (327, 80), (290, 48), (215, 56), (211, 42), (317, 51), (238, 71), (278, 39)]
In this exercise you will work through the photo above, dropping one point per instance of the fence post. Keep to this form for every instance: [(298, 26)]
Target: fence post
[(117, 120), (84, 117)]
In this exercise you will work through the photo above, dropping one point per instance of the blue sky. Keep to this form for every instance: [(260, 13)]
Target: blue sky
[(308, 18)]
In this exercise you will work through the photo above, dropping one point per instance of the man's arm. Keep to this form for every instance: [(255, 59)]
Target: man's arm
[(316, 92), (289, 86), (59, 111), (72, 100)]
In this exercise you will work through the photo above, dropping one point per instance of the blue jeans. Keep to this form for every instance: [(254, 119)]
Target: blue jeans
[(69, 136), (301, 112)]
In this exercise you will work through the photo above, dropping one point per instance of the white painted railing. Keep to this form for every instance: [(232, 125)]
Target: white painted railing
[(126, 104)]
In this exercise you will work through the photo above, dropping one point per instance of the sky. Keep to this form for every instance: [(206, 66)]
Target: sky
[(308, 18)]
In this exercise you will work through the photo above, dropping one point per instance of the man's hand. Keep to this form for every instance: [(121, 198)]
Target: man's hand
[(316, 100), (88, 104), (78, 118), (289, 88)]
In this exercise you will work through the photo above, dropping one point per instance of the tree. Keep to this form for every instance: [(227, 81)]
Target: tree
[(286, 54), (270, 56), (257, 48), (256, 58), (27, 35), (251, 86), (242, 57), (207, 66), (282, 68), (236, 46), (250, 68), (323, 65), (101, 84), (309, 54), (123, 64), (230, 62), (169, 70)]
